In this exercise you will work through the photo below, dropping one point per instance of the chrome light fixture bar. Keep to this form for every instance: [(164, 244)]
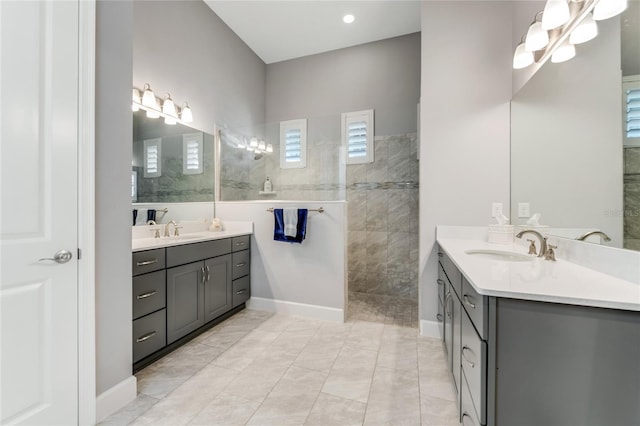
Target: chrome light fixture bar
[(155, 109)]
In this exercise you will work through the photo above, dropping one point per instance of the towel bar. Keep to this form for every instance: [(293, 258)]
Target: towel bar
[(319, 210)]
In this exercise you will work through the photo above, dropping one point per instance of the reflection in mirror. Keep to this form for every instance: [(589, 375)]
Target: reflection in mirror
[(243, 173), (566, 142), (171, 163)]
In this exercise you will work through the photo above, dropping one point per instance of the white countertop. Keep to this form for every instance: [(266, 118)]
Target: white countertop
[(191, 233), (540, 280)]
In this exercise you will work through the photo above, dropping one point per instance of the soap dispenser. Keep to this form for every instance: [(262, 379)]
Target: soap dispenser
[(267, 185)]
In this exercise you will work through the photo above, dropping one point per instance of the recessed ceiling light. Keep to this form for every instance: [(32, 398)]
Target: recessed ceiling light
[(348, 19)]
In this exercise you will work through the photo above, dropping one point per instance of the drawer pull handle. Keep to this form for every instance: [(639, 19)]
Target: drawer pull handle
[(146, 336), (439, 317), (240, 244), (440, 255), (467, 415), (204, 277), (241, 291), (208, 272), (440, 282), (472, 364), (468, 302), (240, 265), (145, 295), (147, 262)]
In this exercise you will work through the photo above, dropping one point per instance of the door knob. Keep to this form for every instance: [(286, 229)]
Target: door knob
[(63, 256)]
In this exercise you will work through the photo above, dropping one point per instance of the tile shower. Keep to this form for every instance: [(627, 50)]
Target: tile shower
[(382, 203), (632, 198)]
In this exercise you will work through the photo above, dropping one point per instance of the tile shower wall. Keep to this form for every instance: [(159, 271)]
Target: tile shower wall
[(383, 220), (632, 198)]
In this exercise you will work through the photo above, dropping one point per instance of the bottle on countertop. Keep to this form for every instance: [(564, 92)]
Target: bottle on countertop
[(267, 185), (216, 226)]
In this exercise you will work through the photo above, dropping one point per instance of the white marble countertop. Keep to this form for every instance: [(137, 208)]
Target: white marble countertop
[(540, 280), (190, 233)]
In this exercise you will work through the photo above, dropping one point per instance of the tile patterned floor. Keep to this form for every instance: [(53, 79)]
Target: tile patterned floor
[(257, 368), (384, 309)]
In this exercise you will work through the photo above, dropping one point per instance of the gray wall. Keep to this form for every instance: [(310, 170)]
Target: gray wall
[(201, 61), (383, 75), (113, 202), (465, 92)]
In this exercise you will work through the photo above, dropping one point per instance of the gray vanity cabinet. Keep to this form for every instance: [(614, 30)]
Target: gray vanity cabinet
[(452, 312), (179, 289), (525, 362)]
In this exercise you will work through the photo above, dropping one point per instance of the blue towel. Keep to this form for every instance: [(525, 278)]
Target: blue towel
[(278, 231)]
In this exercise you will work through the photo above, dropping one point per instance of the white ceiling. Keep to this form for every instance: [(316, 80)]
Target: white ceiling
[(281, 30)]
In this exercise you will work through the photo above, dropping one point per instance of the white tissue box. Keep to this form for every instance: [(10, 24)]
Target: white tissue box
[(501, 234)]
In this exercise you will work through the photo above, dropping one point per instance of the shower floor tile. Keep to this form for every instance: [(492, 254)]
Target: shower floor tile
[(382, 309)]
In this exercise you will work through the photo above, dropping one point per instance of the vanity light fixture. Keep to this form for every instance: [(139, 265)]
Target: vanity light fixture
[(348, 19), (585, 31), (253, 143), (556, 13), (606, 9), (269, 148), (262, 146), (155, 109), (581, 27), (537, 37)]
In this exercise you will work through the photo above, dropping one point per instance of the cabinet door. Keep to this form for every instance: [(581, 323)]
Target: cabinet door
[(455, 344), (185, 299), (217, 289)]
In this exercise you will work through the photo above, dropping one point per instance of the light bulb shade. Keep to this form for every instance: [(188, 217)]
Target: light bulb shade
[(169, 108), (269, 148), (585, 31), (606, 9), (563, 53), (556, 13), (262, 145), (250, 149), (253, 143), (186, 115), (537, 38), (152, 113), (522, 58), (169, 120), (148, 98)]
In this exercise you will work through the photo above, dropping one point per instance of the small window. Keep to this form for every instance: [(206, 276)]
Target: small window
[(631, 110), (152, 158), (357, 136), (192, 154), (293, 144)]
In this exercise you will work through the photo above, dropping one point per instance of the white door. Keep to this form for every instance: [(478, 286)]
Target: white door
[(39, 192)]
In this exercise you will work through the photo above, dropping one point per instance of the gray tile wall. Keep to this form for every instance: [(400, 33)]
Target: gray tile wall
[(632, 198), (383, 220)]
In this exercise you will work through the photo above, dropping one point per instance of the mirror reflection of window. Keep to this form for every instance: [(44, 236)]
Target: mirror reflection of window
[(152, 158), (134, 186), (192, 154)]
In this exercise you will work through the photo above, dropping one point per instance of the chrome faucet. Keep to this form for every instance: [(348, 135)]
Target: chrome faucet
[(604, 236), (175, 228), (543, 240)]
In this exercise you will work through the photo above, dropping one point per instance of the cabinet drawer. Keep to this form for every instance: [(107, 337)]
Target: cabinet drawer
[(181, 255), (467, 410), (473, 357), (149, 334), (241, 264), (148, 261), (477, 306), (149, 293), (440, 283), (241, 290), (452, 272), (242, 242)]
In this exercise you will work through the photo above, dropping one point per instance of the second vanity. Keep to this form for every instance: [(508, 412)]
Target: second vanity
[(185, 284), (537, 342)]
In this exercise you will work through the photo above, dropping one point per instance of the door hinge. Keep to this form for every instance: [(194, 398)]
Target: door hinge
[(79, 254)]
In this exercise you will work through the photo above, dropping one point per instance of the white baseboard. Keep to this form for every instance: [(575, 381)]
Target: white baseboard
[(429, 329), (292, 308), (116, 397)]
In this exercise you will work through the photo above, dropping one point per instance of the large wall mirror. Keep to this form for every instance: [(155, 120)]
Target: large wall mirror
[(568, 159), (171, 163)]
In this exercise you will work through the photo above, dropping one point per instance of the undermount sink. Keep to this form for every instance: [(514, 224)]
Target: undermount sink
[(186, 237), (505, 256)]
